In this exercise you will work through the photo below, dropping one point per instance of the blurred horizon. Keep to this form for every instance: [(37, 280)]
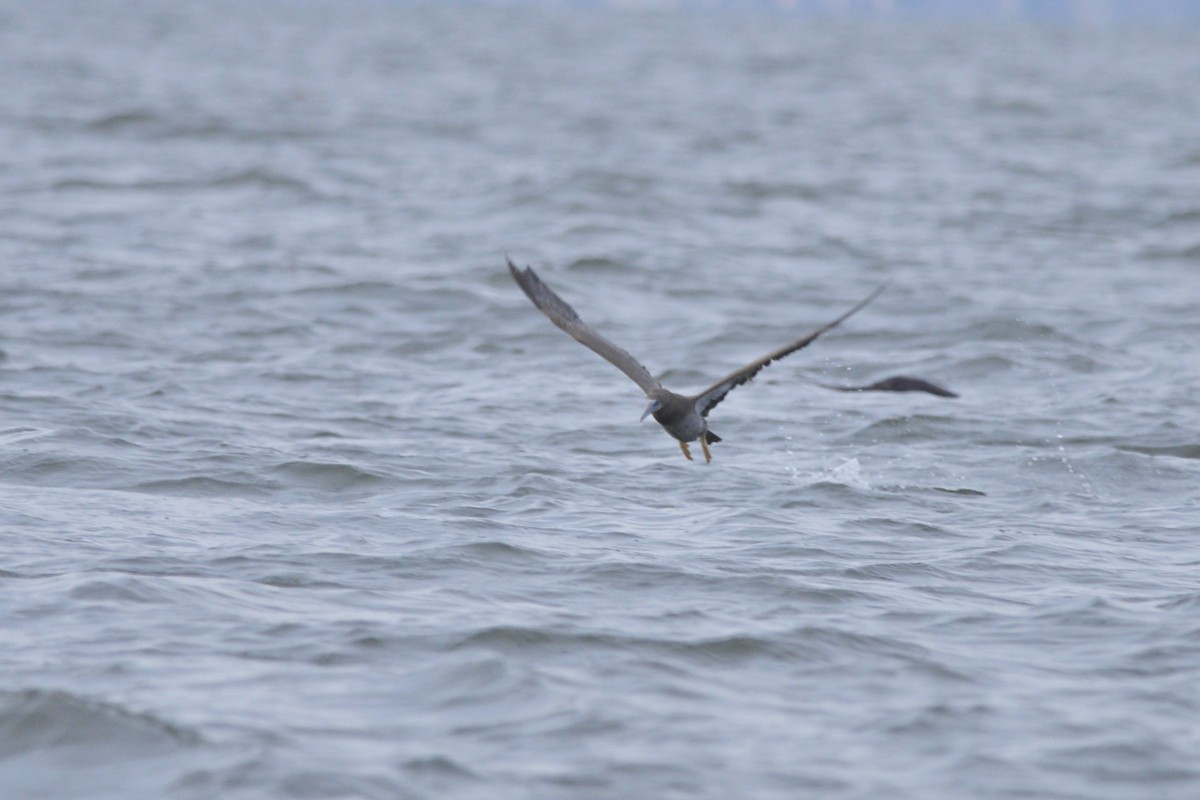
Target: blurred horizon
[(1078, 11)]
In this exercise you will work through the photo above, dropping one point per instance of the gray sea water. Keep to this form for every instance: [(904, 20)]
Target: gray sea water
[(301, 498)]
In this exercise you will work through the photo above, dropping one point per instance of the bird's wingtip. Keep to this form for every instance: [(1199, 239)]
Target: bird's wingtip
[(519, 273)]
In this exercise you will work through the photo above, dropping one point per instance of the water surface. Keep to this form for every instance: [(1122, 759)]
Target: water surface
[(302, 498)]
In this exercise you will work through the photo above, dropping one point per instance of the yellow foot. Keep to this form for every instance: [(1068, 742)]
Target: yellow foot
[(688, 453), (704, 447)]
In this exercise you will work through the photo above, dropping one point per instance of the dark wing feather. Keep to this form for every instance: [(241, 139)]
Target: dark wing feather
[(708, 399), (565, 317)]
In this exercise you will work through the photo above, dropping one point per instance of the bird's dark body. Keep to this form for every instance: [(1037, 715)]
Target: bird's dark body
[(898, 383), (677, 413)]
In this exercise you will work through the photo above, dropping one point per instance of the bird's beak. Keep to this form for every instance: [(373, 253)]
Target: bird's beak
[(651, 407)]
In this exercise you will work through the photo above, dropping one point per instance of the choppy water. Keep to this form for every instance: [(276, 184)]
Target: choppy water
[(302, 499)]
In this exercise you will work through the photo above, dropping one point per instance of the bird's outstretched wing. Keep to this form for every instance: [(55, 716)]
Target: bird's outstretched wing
[(565, 317), (896, 383), (708, 399)]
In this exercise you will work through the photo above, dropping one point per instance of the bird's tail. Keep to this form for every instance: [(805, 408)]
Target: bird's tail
[(711, 437)]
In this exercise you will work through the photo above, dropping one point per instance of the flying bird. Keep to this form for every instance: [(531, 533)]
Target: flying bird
[(896, 383), (685, 417)]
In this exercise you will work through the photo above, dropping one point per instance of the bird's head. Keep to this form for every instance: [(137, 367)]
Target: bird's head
[(654, 405)]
